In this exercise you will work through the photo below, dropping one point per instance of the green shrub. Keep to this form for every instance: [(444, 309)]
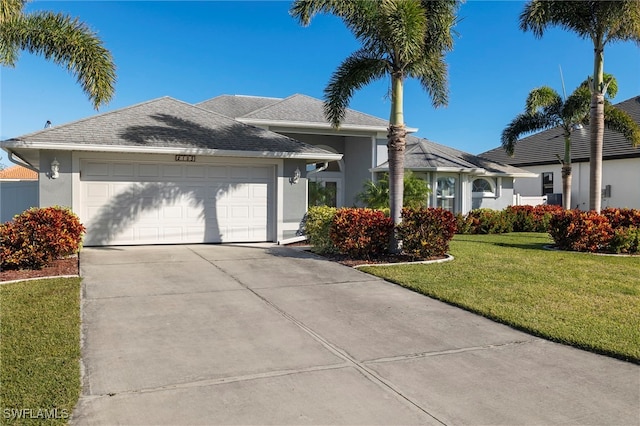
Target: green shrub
[(38, 236), (488, 221), (625, 240), (375, 195), (532, 218), (361, 233), (463, 223), (317, 226), (426, 233)]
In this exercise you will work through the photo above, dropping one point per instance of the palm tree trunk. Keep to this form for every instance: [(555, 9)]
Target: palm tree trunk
[(566, 186), (396, 142), (566, 169), (595, 154), (596, 128)]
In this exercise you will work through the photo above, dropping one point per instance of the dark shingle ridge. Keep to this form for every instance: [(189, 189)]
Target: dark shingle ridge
[(542, 148)]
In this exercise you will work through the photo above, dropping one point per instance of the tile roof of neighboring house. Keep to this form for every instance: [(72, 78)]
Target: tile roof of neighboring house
[(425, 155), (294, 109), (543, 147), (18, 173), (169, 123)]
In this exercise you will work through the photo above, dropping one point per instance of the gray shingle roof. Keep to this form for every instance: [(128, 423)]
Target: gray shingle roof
[(423, 154), (167, 122), (295, 108), (542, 147), (236, 105)]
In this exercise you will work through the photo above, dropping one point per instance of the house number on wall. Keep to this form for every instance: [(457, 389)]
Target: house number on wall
[(190, 158)]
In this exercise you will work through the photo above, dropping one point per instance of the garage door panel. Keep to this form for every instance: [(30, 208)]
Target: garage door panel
[(196, 172), (155, 203), (123, 170)]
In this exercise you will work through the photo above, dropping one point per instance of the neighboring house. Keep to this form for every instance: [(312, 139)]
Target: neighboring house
[(18, 191), (539, 154), (230, 169), (462, 181)]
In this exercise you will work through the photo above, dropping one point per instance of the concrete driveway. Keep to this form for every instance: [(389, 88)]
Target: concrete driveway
[(226, 334)]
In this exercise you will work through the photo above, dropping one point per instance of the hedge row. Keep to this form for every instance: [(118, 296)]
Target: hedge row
[(38, 236), (511, 219), (612, 231), (366, 233)]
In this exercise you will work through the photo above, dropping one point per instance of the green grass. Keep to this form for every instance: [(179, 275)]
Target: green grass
[(39, 350), (585, 300)]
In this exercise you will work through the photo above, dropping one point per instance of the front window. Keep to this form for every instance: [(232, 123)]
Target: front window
[(446, 193), (482, 187), (547, 183)]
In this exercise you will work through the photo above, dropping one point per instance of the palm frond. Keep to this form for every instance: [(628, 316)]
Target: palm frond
[(65, 41), (432, 72), (355, 72), (544, 98), (10, 9), (619, 121), (441, 20), (576, 16), (401, 29), (524, 124)]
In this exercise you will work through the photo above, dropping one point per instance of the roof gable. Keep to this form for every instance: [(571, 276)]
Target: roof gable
[(545, 146)]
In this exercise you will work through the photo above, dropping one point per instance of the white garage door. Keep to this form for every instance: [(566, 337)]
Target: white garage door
[(168, 203)]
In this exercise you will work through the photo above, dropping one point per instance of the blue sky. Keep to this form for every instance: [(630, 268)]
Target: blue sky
[(197, 50)]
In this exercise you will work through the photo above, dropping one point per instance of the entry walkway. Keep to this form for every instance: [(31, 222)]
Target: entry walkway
[(227, 334)]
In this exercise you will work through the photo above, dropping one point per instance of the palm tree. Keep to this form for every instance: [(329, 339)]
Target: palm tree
[(545, 109), (59, 38), (601, 22), (400, 39)]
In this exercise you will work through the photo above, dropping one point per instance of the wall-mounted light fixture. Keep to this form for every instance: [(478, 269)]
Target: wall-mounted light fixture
[(296, 177), (55, 169)]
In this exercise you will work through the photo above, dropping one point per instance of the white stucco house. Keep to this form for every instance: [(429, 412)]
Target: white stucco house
[(538, 154), (230, 169)]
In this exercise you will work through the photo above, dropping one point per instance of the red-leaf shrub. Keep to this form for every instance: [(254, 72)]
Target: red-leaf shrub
[(581, 231), (622, 218), (426, 232), (38, 236), (361, 233), (532, 218)]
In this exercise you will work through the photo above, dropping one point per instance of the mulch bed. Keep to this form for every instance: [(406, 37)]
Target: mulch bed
[(66, 266)]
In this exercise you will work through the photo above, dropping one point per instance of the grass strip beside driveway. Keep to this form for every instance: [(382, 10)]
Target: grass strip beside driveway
[(585, 300), (39, 350)]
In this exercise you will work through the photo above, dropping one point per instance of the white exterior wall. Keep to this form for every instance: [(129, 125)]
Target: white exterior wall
[(623, 176)]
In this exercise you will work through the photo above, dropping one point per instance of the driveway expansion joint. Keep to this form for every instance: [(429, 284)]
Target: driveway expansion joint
[(448, 352)]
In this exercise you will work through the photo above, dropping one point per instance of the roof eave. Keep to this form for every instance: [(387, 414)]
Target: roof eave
[(317, 126), (328, 156)]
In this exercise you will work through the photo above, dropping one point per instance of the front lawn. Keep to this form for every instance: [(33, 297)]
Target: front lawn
[(39, 350), (585, 300)]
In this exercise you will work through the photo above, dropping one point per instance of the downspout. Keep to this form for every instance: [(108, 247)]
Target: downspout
[(21, 161)]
